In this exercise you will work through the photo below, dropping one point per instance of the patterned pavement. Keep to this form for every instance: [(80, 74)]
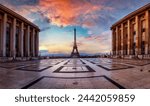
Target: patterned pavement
[(88, 73)]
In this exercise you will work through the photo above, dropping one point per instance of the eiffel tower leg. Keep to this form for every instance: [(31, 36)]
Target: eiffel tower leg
[(76, 50)]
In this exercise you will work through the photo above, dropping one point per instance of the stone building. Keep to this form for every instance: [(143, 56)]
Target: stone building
[(131, 35), (19, 38)]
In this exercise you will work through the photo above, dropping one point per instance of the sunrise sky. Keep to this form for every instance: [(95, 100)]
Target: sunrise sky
[(57, 18)]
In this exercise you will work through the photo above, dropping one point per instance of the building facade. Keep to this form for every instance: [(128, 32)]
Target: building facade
[(131, 35), (19, 38)]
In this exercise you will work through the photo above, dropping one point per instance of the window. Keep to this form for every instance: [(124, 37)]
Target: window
[(143, 26), (134, 47), (143, 36), (143, 47), (143, 30), (134, 40), (126, 49)]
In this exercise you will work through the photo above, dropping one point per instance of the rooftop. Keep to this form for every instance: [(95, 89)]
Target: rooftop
[(136, 12), (7, 10)]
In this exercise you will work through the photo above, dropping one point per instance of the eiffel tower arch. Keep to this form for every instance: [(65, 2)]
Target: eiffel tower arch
[(75, 52)]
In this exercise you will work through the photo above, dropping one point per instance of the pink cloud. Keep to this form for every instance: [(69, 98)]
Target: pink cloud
[(67, 12), (64, 12)]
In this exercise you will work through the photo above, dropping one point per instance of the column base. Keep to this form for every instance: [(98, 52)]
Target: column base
[(34, 58), (146, 57), (121, 52), (131, 52), (140, 56), (6, 59), (18, 58), (9, 59), (146, 50), (139, 52), (3, 59)]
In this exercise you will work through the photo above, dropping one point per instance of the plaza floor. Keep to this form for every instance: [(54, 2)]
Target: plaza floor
[(88, 73)]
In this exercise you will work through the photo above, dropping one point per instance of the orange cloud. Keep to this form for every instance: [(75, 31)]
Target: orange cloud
[(64, 12), (69, 12)]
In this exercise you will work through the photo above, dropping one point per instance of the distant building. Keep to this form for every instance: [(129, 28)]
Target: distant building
[(19, 38), (131, 34)]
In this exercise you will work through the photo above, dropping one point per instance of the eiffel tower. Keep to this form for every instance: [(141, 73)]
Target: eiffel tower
[(75, 53)]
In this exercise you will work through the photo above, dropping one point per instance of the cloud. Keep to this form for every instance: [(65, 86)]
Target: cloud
[(92, 14), (20, 2), (43, 22), (96, 43), (71, 12), (83, 13), (86, 13), (45, 28)]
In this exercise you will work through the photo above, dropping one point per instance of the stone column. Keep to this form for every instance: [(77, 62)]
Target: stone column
[(129, 38), (122, 42), (37, 44), (33, 42), (1, 53), (138, 48), (22, 40), (13, 39), (147, 32), (4, 35), (113, 41), (117, 46), (28, 41)]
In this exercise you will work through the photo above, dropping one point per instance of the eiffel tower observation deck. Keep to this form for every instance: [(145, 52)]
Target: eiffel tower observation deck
[(75, 53)]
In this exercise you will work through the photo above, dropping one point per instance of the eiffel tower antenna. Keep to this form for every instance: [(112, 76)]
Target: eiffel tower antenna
[(75, 53)]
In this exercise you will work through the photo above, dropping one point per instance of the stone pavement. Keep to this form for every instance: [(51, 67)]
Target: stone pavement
[(88, 73)]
